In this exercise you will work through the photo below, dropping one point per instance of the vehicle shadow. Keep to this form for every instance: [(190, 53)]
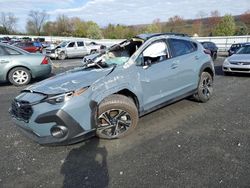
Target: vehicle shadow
[(218, 70), (86, 166)]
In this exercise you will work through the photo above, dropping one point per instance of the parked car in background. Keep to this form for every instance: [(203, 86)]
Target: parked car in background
[(32, 47), (70, 49), (238, 62), (101, 46), (19, 67), (235, 47), (211, 47), (106, 96)]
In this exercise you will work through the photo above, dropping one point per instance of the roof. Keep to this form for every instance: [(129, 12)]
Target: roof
[(147, 36)]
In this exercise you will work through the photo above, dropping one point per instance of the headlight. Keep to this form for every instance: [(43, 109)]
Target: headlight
[(65, 96), (226, 62)]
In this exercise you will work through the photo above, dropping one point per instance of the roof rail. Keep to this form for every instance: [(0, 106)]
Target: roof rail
[(147, 36)]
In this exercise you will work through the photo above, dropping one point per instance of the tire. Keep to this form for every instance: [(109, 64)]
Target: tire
[(205, 88), (62, 56), (214, 56), (19, 76), (93, 51), (117, 117)]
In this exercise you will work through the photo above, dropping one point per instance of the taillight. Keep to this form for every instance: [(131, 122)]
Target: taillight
[(45, 61), (206, 51)]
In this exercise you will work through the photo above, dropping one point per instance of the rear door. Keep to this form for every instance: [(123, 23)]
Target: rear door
[(71, 49), (4, 60), (82, 50), (186, 57)]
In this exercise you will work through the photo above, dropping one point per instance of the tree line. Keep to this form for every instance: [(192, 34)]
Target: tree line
[(214, 24)]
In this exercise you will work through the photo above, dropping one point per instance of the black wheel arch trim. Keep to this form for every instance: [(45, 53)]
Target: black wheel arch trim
[(60, 117), (207, 65)]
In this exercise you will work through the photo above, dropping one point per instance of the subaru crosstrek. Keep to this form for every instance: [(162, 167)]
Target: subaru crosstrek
[(112, 89)]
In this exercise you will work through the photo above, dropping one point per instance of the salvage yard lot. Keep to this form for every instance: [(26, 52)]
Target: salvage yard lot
[(186, 144)]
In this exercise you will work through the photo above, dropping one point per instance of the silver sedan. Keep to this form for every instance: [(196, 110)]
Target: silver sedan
[(239, 62), (19, 67)]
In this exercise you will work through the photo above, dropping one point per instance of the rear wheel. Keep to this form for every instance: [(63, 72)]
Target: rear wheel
[(19, 76), (61, 56), (214, 56), (117, 117), (205, 87)]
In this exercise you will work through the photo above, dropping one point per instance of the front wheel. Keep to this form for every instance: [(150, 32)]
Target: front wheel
[(205, 88), (61, 56), (117, 117)]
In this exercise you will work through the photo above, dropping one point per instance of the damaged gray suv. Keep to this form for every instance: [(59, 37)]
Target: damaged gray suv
[(113, 89)]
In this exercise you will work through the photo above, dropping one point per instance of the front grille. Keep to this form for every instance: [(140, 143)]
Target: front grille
[(21, 110), (240, 70), (240, 63), (50, 51)]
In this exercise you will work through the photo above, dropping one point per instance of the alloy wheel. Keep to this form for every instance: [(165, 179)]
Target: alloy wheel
[(114, 122), (207, 86)]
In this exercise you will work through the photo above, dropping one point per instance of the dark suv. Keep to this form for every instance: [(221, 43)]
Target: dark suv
[(211, 47), (114, 88)]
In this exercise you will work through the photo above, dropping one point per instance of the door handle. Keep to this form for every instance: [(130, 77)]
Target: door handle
[(4, 61), (196, 57), (174, 65)]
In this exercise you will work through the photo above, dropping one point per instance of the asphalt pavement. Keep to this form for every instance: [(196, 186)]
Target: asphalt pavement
[(186, 144)]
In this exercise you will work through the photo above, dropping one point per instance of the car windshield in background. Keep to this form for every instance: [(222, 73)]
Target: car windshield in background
[(244, 50), (63, 44)]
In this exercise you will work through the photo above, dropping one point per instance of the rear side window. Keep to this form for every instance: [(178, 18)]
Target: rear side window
[(2, 51), (80, 44), (181, 47), (11, 51)]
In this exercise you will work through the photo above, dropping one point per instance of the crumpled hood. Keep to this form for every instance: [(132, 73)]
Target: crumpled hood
[(239, 58), (69, 81)]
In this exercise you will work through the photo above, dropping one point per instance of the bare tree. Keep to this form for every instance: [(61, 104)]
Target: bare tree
[(245, 17), (8, 22), (36, 21), (175, 24)]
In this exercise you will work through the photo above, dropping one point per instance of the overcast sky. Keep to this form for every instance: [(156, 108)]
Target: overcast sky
[(122, 11)]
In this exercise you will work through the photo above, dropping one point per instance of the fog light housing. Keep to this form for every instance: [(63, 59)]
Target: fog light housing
[(59, 131)]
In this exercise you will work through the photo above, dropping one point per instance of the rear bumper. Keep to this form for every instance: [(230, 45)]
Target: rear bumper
[(72, 132), (41, 70)]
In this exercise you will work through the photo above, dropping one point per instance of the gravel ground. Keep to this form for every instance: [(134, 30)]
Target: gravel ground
[(186, 144)]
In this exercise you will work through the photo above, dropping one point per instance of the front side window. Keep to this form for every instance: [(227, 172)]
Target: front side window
[(154, 53), (181, 47), (72, 44)]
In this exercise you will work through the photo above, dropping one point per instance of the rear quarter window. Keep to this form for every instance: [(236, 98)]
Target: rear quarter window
[(11, 51)]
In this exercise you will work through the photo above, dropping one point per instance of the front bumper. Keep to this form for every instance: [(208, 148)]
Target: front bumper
[(52, 55), (236, 68), (73, 131), (57, 124)]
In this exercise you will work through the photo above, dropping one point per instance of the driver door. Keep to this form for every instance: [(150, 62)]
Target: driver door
[(157, 71)]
